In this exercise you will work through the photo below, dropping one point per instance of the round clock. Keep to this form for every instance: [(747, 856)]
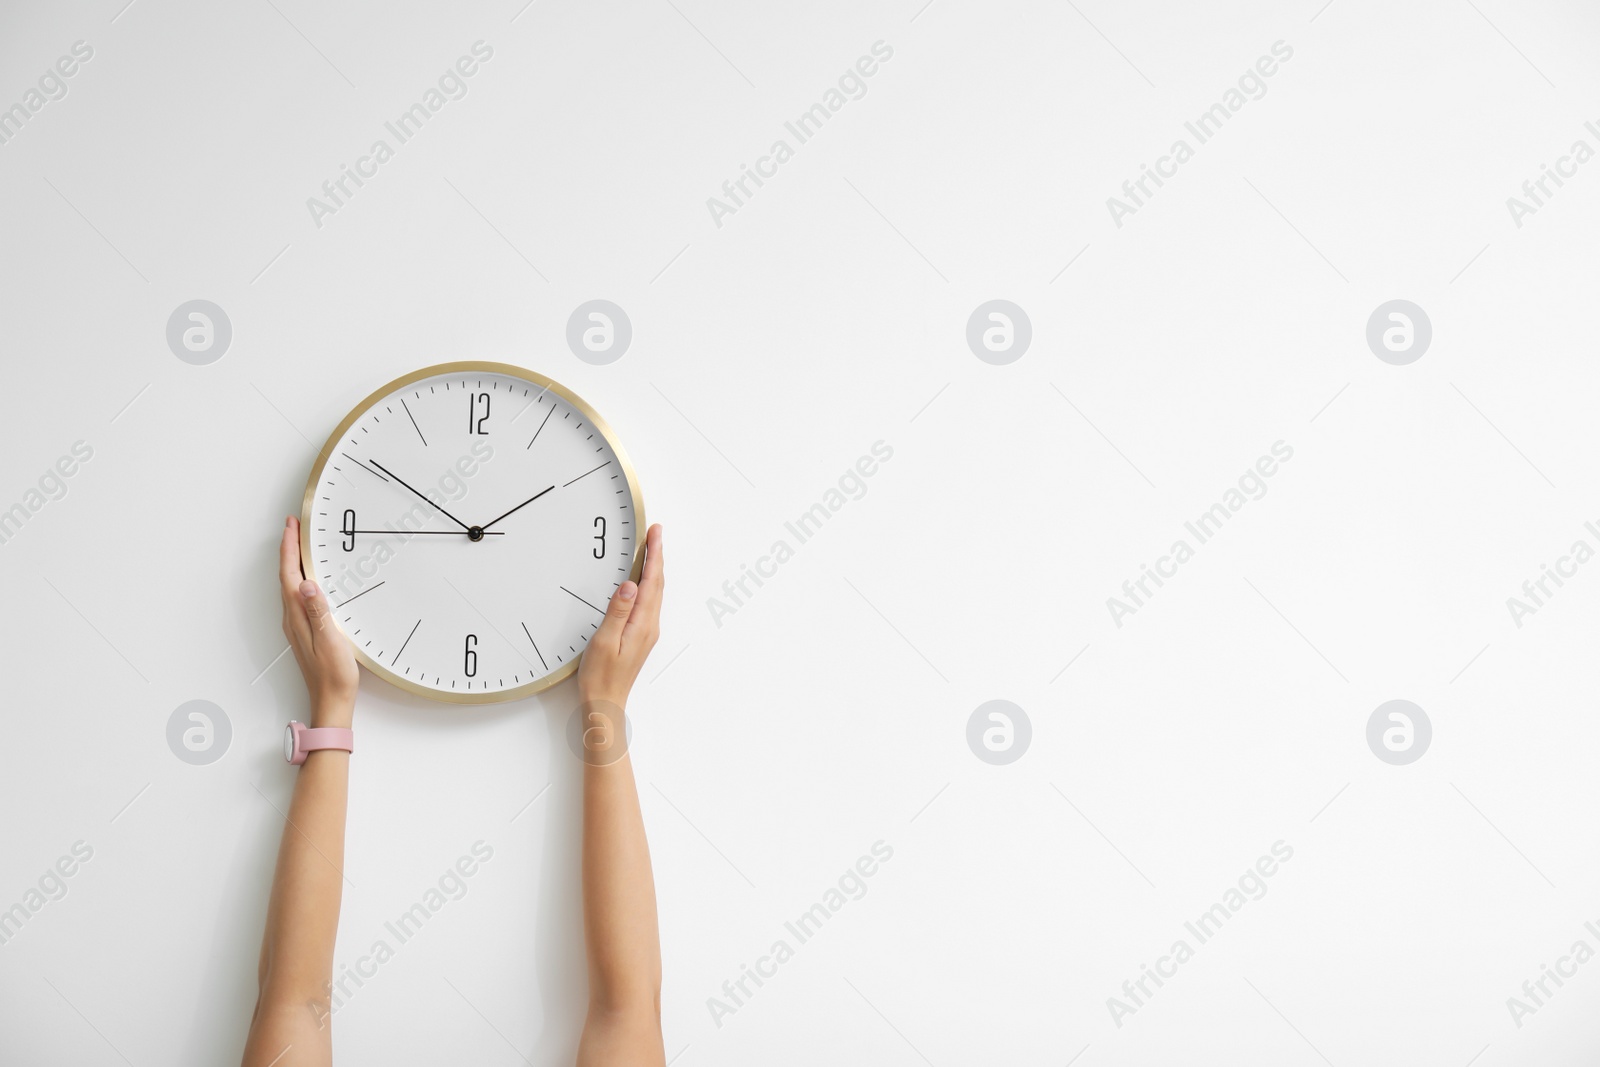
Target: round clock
[(469, 523)]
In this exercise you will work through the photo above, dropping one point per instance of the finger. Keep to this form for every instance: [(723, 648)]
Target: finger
[(289, 558), (651, 583), (318, 615), (294, 616), (622, 604)]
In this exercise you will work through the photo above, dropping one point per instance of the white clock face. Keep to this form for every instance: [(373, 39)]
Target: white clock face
[(469, 526)]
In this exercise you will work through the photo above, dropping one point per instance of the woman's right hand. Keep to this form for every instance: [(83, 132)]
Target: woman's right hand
[(617, 651)]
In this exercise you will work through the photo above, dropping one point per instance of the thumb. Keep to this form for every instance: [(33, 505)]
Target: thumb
[(618, 610), (316, 604)]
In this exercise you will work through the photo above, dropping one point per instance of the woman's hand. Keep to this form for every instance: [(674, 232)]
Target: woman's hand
[(326, 657), (618, 648), (619, 894)]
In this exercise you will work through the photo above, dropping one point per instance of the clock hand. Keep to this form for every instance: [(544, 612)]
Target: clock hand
[(431, 504), (519, 507)]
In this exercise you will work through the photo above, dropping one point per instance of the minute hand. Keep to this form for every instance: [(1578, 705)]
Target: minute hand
[(431, 504), (519, 507)]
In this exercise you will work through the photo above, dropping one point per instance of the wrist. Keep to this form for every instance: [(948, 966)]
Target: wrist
[(598, 732), (336, 713), (600, 697)]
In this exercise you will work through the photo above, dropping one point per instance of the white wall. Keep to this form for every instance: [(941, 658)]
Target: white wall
[(830, 711)]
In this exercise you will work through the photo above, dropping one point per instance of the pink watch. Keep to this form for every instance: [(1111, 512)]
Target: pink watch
[(300, 740)]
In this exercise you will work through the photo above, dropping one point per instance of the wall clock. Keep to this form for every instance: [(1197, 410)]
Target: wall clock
[(469, 523)]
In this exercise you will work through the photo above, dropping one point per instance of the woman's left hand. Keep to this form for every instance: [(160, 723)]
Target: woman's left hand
[(326, 657)]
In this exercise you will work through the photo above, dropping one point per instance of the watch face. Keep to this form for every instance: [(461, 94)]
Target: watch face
[(288, 742), (469, 523)]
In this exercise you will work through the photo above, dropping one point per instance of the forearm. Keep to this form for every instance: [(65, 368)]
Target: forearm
[(303, 914), (302, 919), (619, 900)]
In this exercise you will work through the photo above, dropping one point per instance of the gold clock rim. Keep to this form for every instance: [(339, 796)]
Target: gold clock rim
[(562, 673)]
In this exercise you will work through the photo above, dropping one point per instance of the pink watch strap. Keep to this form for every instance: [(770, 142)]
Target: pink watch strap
[(310, 739)]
